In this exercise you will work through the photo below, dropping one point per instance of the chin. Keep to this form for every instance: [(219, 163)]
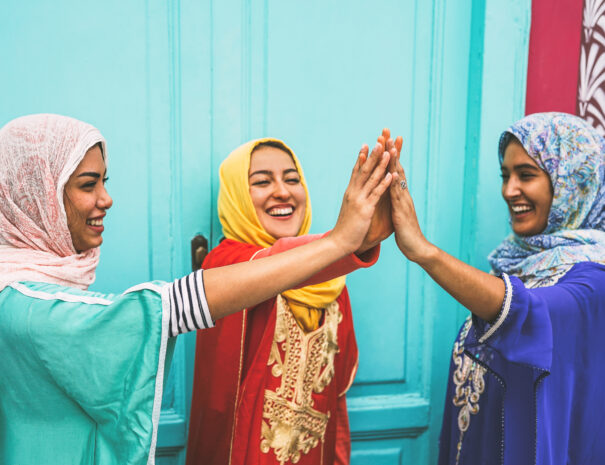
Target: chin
[(527, 231), (278, 233), (281, 234)]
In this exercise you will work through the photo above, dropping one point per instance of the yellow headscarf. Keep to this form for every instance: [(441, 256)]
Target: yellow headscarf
[(240, 222)]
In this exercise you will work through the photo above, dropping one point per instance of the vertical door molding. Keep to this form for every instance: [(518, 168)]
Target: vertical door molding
[(239, 89), (165, 168)]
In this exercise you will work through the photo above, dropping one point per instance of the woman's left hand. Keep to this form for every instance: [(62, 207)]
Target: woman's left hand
[(408, 234), (382, 224)]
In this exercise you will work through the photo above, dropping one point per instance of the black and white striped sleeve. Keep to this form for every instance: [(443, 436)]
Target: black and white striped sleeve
[(188, 306)]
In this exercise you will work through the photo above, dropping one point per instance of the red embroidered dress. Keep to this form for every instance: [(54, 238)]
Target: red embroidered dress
[(264, 391)]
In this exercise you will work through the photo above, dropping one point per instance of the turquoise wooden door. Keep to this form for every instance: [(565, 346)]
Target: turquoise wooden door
[(175, 85)]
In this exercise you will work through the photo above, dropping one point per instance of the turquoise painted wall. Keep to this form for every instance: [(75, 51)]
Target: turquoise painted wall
[(175, 85)]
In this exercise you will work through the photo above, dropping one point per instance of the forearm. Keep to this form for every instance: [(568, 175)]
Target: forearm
[(344, 266), (232, 288), (478, 291)]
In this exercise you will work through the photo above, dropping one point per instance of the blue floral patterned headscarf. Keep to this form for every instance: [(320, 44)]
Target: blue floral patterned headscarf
[(572, 152)]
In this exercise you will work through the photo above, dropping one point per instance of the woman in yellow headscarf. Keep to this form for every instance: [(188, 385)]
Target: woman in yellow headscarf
[(270, 382)]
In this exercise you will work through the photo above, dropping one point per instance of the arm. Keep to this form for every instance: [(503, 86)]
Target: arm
[(478, 291), (229, 289), (190, 307), (343, 266)]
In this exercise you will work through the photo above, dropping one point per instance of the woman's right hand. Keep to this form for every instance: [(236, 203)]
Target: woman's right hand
[(369, 180)]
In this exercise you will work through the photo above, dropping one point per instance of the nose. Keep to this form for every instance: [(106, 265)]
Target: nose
[(281, 190), (511, 188), (104, 201)]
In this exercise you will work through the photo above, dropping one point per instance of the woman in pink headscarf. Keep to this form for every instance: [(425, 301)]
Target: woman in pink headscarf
[(82, 372)]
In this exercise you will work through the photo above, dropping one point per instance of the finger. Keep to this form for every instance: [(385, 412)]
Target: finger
[(361, 158), (376, 193), (377, 174), (381, 140), (399, 169), (397, 193), (373, 159), (395, 188), (394, 158), (386, 133), (399, 145)]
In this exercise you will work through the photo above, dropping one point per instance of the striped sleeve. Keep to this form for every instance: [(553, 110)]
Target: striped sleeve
[(188, 306)]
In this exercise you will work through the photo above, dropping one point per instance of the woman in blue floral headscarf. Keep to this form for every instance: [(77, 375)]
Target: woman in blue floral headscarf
[(526, 378)]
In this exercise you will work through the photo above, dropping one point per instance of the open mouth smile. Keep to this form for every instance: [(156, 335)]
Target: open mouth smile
[(280, 212), (521, 210), (96, 224)]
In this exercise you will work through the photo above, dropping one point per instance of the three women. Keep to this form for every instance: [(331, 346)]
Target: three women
[(82, 372)]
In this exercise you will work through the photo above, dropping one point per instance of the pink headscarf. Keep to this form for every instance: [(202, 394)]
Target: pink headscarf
[(38, 153)]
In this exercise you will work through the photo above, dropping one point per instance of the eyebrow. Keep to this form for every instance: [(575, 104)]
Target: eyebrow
[(270, 173), (92, 174), (521, 167)]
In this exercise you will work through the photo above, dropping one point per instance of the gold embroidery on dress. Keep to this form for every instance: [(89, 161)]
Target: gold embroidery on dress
[(470, 384), (291, 425)]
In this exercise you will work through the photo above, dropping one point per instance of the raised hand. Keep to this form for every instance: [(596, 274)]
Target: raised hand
[(381, 226), (408, 234), (369, 181)]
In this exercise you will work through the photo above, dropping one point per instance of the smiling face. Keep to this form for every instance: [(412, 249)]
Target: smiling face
[(86, 201), (277, 193), (527, 190)]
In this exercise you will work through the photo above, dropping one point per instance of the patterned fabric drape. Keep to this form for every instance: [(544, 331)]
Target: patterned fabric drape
[(591, 78)]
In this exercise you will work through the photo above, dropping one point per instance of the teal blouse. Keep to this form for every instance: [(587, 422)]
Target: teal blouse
[(81, 374)]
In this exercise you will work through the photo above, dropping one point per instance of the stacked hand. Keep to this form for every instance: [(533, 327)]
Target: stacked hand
[(395, 209), (408, 234), (367, 187), (369, 207)]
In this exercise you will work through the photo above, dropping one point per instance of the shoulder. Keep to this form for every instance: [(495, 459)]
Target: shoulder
[(590, 270), (586, 278), (54, 293), (583, 284), (49, 292), (229, 252)]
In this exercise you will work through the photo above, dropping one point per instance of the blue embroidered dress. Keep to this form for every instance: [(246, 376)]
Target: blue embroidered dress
[(532, 391), (529, 387)]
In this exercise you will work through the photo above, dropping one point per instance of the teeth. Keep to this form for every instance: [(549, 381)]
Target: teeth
[(95, 222), (520, 208), (281, 211)]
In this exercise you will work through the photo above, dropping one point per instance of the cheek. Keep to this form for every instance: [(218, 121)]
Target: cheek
[(69, 209), (545, 194), (77, 207), (301, 199), (258, 199)]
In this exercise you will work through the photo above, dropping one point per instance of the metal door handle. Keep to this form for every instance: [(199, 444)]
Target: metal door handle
[(199, 250)]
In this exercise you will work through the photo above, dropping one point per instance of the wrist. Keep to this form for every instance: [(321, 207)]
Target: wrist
[(337, 245), (425, 255)]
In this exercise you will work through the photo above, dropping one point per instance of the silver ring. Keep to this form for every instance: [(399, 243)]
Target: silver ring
[(403, 184)]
